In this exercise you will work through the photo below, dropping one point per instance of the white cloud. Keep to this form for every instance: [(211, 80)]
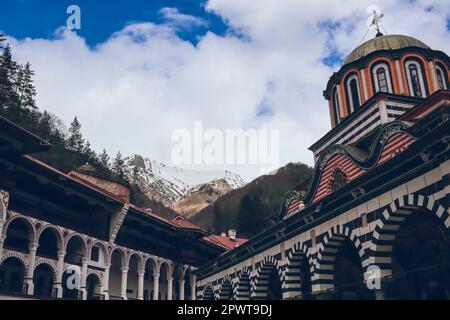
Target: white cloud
[(174, 18), (133, 90)]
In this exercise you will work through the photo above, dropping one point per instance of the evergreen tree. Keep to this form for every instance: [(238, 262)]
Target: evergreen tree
[(251, 215), (135, 174), (104, 159), (2, 39), (25, 87), (118, 166), (89, 153), (75, 142), (217, 213), (8, 79)]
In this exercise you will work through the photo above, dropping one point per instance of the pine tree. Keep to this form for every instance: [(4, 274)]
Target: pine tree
[(2, 39), (89, 153), (104, 159), (135, 175), (118, 166), (75, 142), (8, 79), (25, 87)]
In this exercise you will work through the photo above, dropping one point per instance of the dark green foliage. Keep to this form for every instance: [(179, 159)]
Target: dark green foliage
[(248, 209)]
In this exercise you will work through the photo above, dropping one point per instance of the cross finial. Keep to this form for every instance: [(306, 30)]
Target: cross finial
[(374, 21)]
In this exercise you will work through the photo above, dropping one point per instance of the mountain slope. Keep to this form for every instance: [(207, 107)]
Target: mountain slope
[(247, 209), (175, 187)]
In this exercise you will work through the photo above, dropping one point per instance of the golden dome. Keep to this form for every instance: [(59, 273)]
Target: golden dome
[(388, 42)]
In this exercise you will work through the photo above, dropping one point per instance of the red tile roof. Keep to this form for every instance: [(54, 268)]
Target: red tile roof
[(225, 242), (181, 222)]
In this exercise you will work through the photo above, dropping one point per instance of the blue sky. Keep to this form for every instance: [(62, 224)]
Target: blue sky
[(100, 18), (138, 70)]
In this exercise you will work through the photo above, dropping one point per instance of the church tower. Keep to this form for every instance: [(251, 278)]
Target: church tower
[(378, 82)]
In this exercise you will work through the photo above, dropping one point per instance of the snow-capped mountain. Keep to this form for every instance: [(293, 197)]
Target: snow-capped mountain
[(169, 185)]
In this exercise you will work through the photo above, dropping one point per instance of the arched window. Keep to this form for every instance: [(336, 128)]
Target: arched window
[(416, 81), (339, 180), (353, 92), (441, 78), (382, 78), (336, 107)]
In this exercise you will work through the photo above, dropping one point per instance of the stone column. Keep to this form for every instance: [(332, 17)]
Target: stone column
[(29, 276), (105, 287), (155, 286), (59, 273), (169, 288), (141, 284), (193, 287), (83, 278), (123, 284), (2, 241), (181, 289)]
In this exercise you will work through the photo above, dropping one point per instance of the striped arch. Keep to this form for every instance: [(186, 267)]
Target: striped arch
[(393, 216), (323, 278), (260, 285), (225, 289), (48, 262), (97, 274), (293, 278), (18, 256), (241, 290), (208, 292)]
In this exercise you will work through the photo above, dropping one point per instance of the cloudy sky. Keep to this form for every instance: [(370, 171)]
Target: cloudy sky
[(138, 70)]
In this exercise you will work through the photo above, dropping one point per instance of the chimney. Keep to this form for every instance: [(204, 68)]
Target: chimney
[(223, 234), (232, 234)]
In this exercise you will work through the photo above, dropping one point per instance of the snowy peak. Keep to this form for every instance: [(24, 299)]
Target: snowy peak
[(168, 184)]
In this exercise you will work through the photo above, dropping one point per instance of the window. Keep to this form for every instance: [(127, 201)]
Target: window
[(353, 93), (95, 253), (441, 78), (381, 78), (336, 107), (339, 180), (415, 79)]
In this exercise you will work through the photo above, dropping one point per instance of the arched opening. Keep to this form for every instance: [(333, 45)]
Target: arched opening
[(93, 287), (133, 277), (226, 291), (187, 285), (420, 259), (98, 254), (274, 291), (268, 284), (18, 236), (336, 107), (148, 279), (441, 77), (243, 287), (416, 80), (71, 282), (163, 278), (208, 293), (353, 95), (12, 272), (382, 78), (115, 274), (43, 278), (349, 274), (298, 278), (49, 243), (75, 251)]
